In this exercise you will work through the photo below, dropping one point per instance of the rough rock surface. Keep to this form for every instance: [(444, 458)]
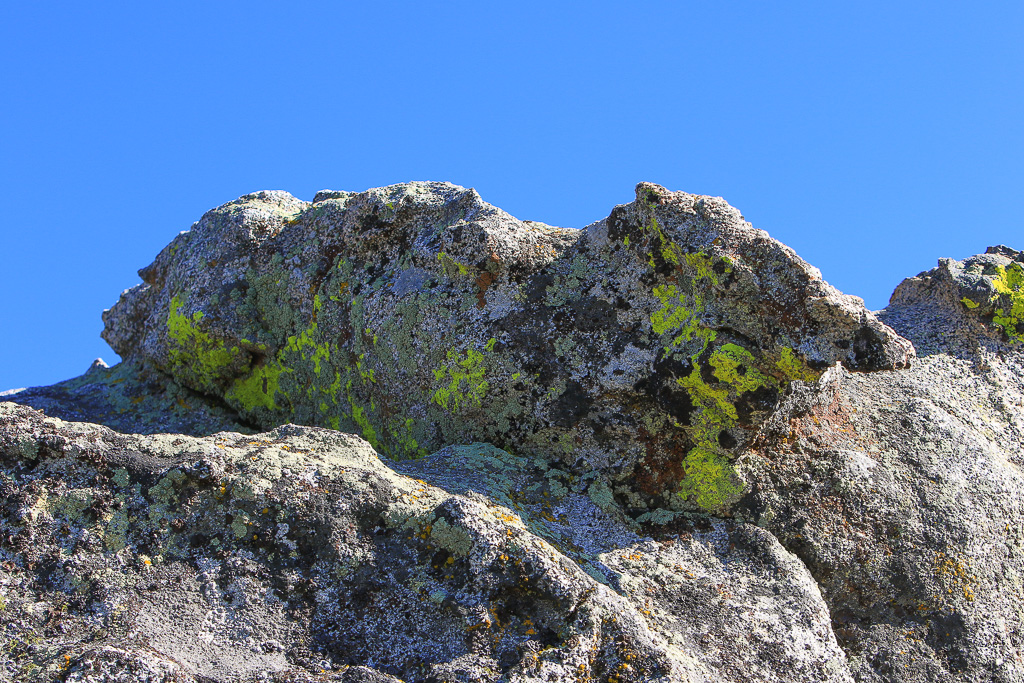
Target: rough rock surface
[(709, 464), (648, 346), (298, 550)]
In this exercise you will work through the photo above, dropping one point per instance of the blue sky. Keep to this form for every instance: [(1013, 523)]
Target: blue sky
[(872, 137)]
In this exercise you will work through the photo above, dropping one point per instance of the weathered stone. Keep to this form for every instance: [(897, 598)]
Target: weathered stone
[(307, 555), (648, 346), (856, 526)]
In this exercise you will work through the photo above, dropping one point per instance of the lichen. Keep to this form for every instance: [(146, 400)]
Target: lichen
[(710, 479), (257, 389), (451, 267), (1009, 285), (735, 366), (792, 369), (463, 379), (194, 355), (455, 540), (674, 316), (165, 490)]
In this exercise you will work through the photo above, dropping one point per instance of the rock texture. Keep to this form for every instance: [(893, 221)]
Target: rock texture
[(663, 450), (648, 346)]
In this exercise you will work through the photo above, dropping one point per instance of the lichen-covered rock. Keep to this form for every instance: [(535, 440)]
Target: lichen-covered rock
[(648, 346), (856, 526), (297, 555), (902, 491), (132, 398), (954, 305)]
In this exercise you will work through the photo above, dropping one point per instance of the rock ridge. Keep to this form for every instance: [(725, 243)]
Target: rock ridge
[(659, 448), (649, 345)]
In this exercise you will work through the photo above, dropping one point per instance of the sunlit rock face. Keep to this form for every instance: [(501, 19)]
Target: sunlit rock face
[(400, 435), (648, 346)]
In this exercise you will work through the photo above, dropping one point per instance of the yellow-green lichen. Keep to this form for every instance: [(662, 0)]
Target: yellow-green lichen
[(365, 426), (194, 355), (451, 267), (1009, 283), (710, 479), (463, 380), (734, 365), (674, 315), (792, 369), (258, 388), (969, 303)]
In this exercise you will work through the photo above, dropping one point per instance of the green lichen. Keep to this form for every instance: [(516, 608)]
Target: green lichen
[(115, 531), (166, 490), (455, 540), (451, 267), (121, 478), (1009, 284), (71, 505), (365, 426), (407, 443), (710, 479), (463, 380), (240, 524), (969, 303), (257, 389), (792, 369), (735, 366), (674, 315), (194, 355)]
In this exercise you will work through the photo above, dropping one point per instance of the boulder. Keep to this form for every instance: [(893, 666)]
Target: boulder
[(648, 346), (299, 555)]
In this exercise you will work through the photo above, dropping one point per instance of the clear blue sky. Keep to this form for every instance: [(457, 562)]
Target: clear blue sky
[(872, 137)]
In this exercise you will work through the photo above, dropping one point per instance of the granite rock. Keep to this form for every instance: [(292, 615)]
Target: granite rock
[(648, 346), (656, 449)]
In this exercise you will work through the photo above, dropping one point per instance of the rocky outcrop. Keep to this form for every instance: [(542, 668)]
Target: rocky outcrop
[(705, 463), (648, 346)]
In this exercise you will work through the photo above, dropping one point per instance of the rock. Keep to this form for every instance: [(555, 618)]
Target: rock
[(901, 491), (132, 398), (959, 306), (648, 346), (707, 464), (305, 557)]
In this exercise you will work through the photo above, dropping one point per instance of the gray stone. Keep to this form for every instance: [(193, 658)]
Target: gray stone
[(648, 346), (708, 465)]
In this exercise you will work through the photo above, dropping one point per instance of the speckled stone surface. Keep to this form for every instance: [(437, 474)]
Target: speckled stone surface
[(648, 346), (705, 463)]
